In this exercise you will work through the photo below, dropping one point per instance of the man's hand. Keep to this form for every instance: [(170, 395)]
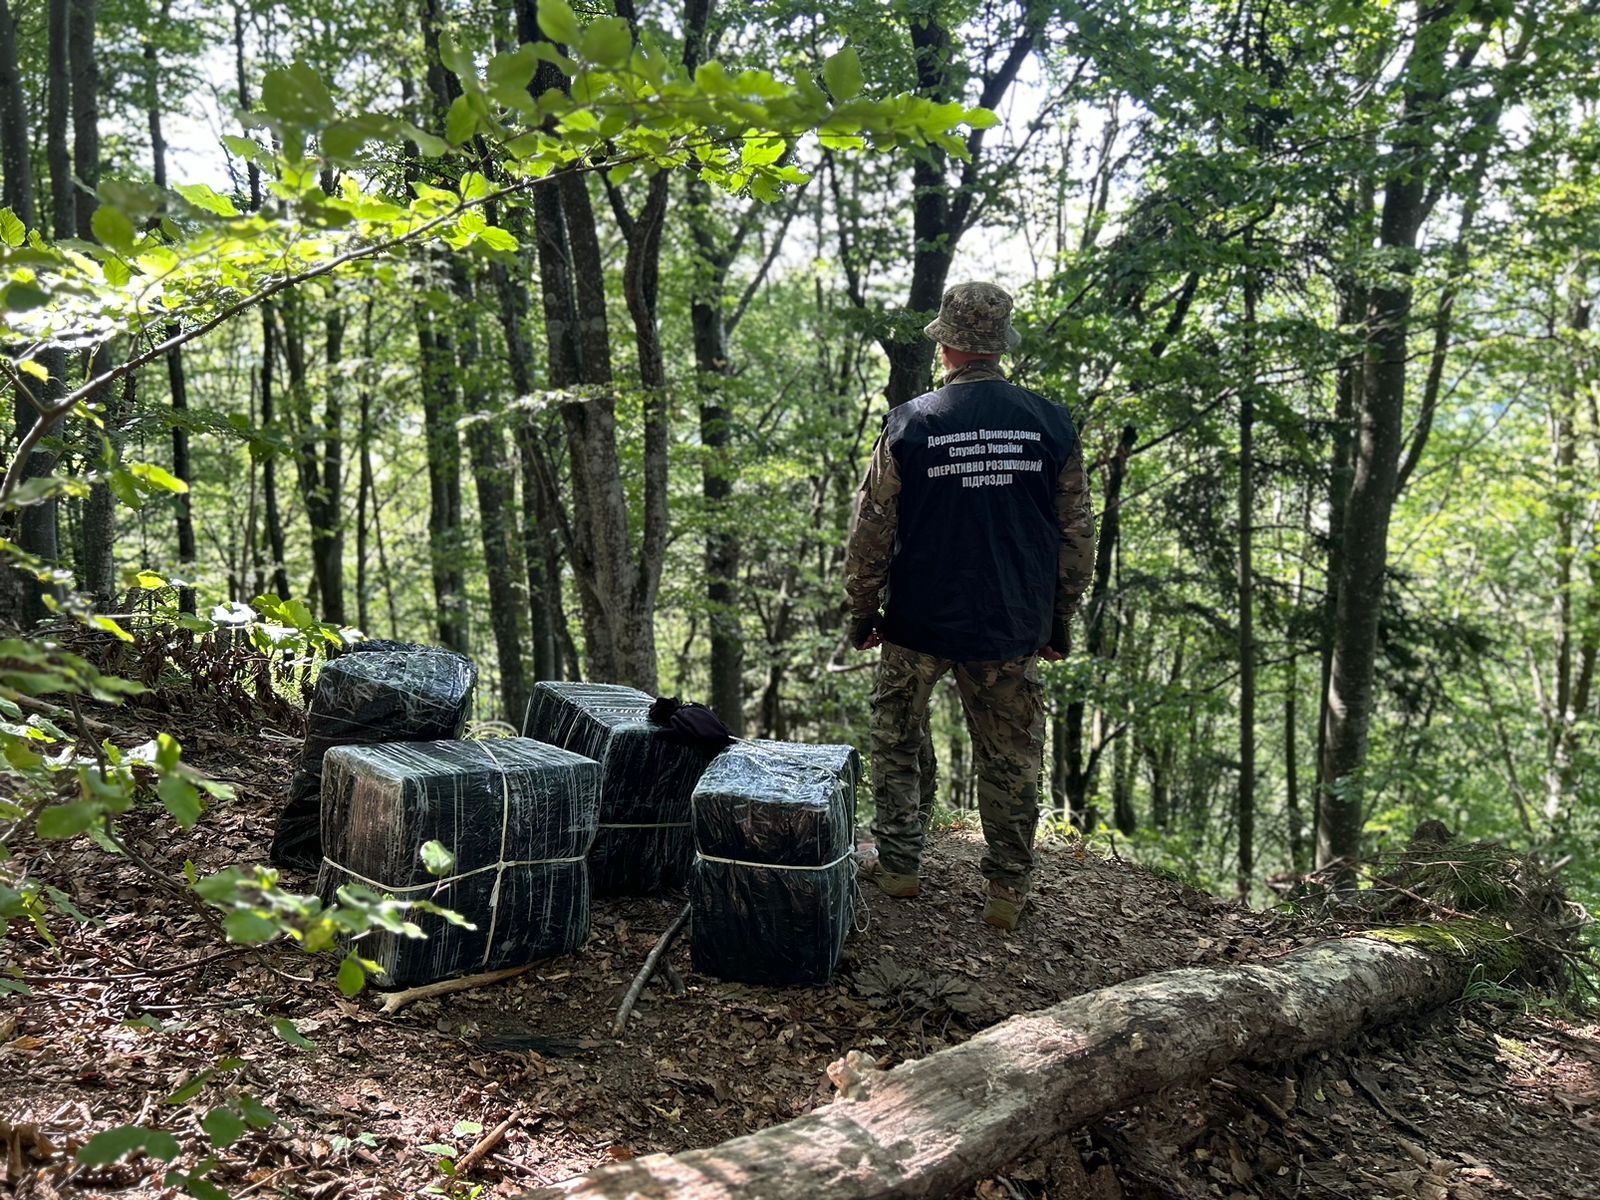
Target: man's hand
[(864, 633), (1060, 642)]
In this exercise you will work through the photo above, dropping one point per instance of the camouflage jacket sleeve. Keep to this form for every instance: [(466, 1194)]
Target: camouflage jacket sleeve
[(866, 561), (1075, 563)]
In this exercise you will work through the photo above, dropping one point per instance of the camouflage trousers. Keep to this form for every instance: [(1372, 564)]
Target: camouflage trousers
[(1004, 707)]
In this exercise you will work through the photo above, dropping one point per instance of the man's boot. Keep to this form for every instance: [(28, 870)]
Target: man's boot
[(1004, 905), (890, 883)]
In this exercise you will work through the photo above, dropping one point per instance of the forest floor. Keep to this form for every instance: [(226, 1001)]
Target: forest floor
[(1479, 1100)]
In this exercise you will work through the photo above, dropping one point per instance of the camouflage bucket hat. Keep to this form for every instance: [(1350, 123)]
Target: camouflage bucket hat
[(975, 317)]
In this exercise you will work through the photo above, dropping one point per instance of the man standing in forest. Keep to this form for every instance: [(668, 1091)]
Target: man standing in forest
[(972, 529)]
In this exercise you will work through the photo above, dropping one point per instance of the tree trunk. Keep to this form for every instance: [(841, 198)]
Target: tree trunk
[(712, 362), (712, 366), (269, 474), (934, 1126), (491, 467), (1568, 705), (58, 117), (365, 500), (618, 598), (1364, 554), (33, 528), (539, 550), (1246, 811), (177, 383), (318, 451), (16, 142), (98, 564), (1081, 760)]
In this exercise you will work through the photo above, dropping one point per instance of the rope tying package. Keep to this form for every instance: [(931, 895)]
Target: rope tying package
[(644, 845), (773, 888), (520, 818)]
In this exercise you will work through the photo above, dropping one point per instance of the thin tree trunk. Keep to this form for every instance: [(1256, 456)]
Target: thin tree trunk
[(98, 564), (58, 117), (34, 527), (1246, 813), (364, 497), (1081, 761), (182, 510)]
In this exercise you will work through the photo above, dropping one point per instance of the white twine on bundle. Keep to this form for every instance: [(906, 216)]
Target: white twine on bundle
[(499, 867), (744, 862)]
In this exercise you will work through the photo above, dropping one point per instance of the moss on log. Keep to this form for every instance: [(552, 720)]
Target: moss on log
[(932, 1126)]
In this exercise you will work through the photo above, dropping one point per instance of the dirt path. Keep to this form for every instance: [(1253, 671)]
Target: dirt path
[(1475, 1104)]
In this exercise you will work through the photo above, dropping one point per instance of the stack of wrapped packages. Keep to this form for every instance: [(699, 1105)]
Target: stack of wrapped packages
[(377, 691), (773, 881), (519, 816), (644, 845)]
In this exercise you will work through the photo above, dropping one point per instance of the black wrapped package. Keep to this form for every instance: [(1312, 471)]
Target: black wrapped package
[(519, 817), (644, 846), (376, 692), (773, 885)]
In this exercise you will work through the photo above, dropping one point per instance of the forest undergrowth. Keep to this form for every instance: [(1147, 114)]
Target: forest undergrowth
[(142, 1015)]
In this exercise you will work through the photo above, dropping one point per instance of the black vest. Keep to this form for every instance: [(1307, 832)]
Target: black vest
[(973, 577)]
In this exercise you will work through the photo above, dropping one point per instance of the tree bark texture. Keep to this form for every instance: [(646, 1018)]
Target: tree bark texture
[(616, 589), (933, 1126), (177, 382), (58, 118), (1379, 433), (34, 527), (1078, 761)]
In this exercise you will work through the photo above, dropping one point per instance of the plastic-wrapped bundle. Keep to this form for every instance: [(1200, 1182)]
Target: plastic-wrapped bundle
[(644, 845), (388, 693), (773, 882), (519, 817)]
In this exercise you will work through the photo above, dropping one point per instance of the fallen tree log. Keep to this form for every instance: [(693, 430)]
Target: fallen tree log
[(933, 1126)]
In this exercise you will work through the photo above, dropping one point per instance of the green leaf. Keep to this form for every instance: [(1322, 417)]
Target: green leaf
[(296, 96), (465, 1127), (106, 625), (182, 800), (458, 59), (289, 1032), (512, 69), (557, 21), (20, 296), (351, 976), (158, 478), (12, 231), (113, 1145), (195, 1184), (124, 486), (113, 230), (461, 122), (190, 1090), (208, 199), (982, 118), (29, 366), (14, 987), (223, 1126), (249, 929), (842, 74), (497, 239), (244, 147), (607, 41), (68, 820), (437, 858), (256, 1114)]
